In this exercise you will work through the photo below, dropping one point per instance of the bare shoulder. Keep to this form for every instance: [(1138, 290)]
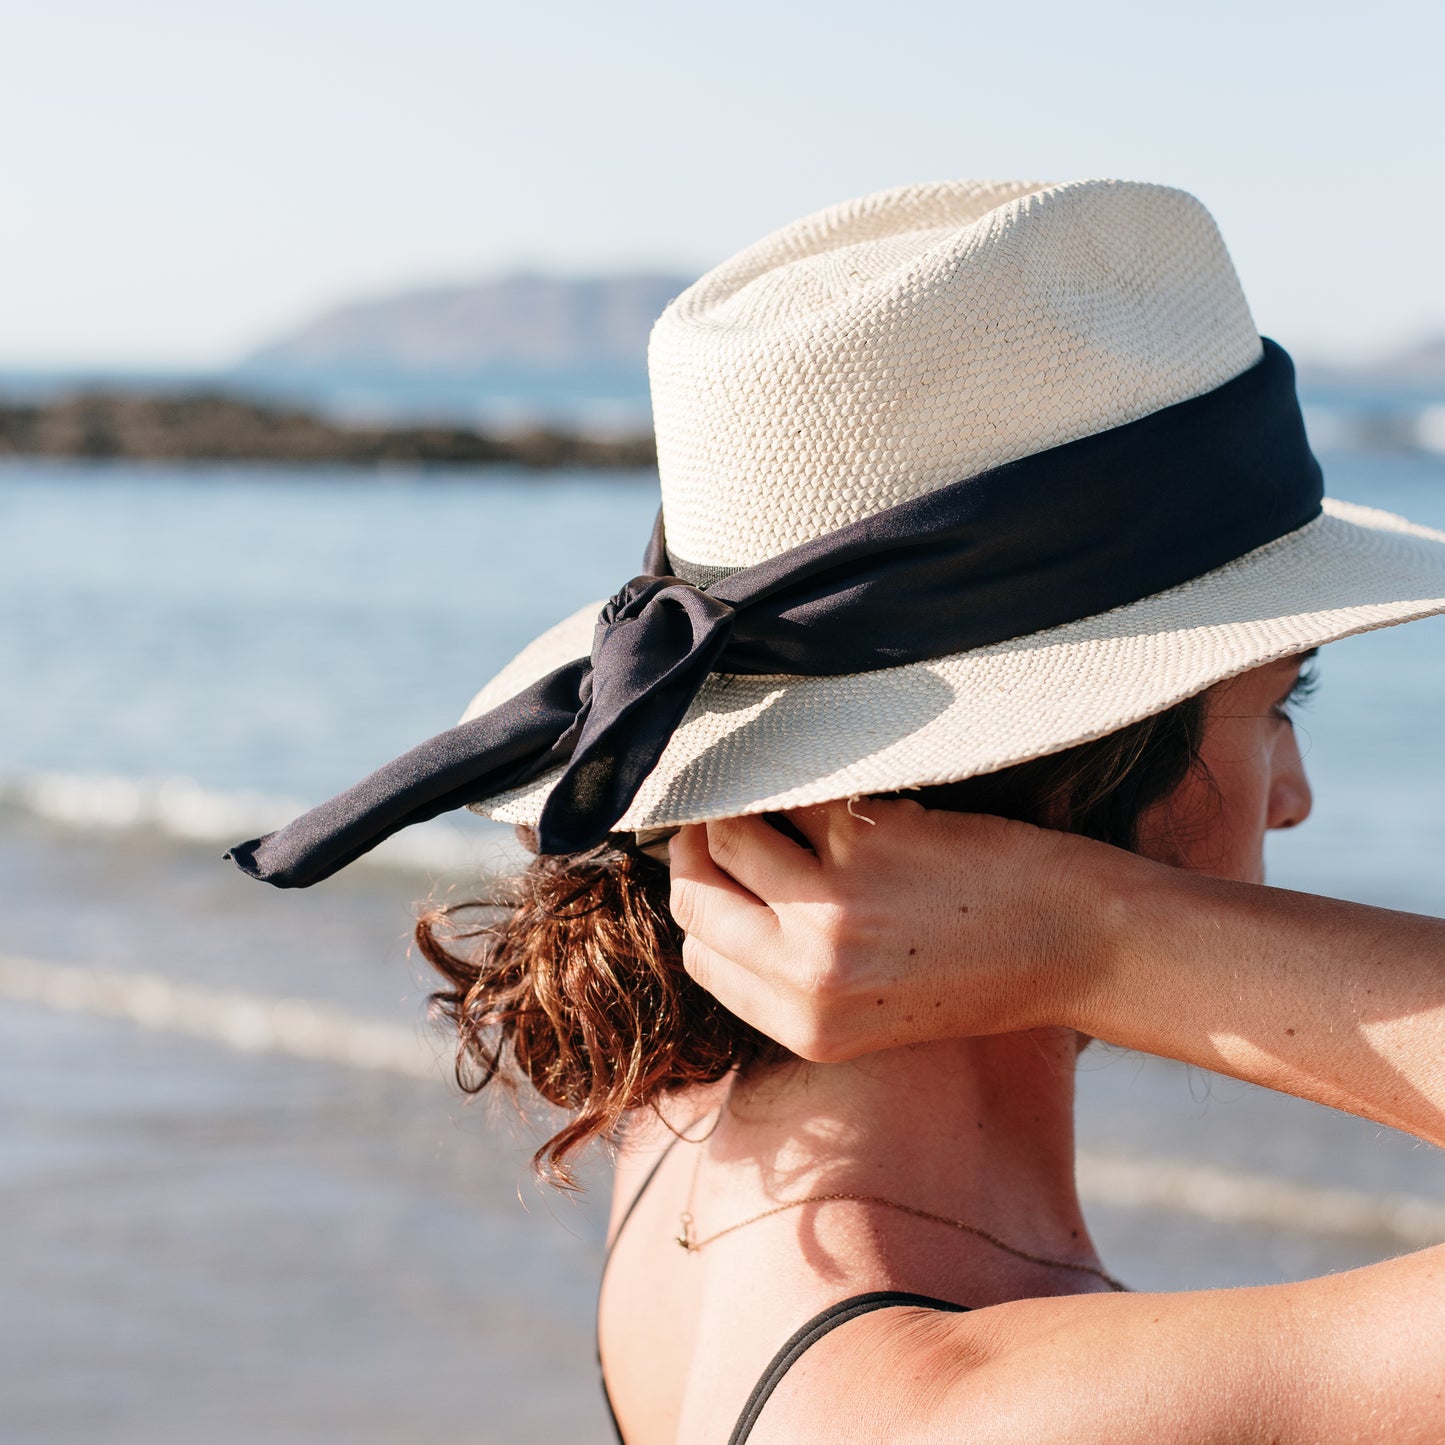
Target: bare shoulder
[(1357, 1356)]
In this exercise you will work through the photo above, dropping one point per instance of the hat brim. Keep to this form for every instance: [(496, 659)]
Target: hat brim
[(765, 744)]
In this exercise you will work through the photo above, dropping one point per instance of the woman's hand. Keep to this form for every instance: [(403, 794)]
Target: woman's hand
[(917, 925), (897, 925)]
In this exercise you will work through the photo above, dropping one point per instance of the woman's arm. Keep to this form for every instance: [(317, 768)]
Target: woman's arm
[(914, 925), (1335, 1361), (918, 925)]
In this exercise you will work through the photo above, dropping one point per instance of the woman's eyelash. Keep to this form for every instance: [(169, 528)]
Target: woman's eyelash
[(1305, 687)]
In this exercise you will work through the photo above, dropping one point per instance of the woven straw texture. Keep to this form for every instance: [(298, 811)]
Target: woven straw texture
[(891, 345), (885, 347)]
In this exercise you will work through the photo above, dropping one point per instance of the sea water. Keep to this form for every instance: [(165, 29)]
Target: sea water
[(209, 1237), (197, 648)]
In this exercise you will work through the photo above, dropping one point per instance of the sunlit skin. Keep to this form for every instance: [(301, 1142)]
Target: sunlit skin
[(1252, 780), (972, 1127), (826, 921), (937, 969)]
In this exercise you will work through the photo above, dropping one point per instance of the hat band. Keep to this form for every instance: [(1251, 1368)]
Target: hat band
[(1061, 535)]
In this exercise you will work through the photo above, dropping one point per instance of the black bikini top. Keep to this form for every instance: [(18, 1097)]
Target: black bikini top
[(822, 1323)]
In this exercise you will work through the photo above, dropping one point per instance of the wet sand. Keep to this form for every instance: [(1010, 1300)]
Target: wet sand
[(206, 1244)]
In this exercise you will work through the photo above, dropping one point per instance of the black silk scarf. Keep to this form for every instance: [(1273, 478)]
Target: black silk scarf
[(1052, 538)]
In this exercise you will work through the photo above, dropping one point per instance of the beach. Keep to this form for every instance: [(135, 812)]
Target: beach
[(245, 1199)]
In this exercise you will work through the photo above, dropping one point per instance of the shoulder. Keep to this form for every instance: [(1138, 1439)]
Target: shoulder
[(1351, 1357)]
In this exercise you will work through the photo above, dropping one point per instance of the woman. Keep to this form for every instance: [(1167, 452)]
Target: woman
[(1333, 1002), (979, 496)]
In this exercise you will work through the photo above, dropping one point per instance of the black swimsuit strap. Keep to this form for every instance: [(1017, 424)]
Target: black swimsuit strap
[(637, 1198), (821, 1324), (607, 1259)]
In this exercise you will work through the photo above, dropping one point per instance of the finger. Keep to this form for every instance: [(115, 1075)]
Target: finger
[(745, 995), (735, 987), (820, 824), (766, 862), (709, 905), (838, 830), (688, 857)]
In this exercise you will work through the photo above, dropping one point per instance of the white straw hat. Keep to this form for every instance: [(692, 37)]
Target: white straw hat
[(893, 345)]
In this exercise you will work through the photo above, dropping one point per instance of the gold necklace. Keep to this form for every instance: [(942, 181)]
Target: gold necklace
[(692, 1244)]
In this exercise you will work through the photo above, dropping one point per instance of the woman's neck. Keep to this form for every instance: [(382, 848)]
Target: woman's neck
[(978, 1130)]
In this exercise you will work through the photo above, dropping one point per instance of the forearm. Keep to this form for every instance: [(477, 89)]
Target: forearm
[(1326, 1000), (923, 925)]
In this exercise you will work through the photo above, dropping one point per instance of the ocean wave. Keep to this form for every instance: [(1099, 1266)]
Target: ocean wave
[(301, 1028), (182, 810)]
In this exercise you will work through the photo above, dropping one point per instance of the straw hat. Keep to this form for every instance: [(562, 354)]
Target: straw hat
[(892, 345)]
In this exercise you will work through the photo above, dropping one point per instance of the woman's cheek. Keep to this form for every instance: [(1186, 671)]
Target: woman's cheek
[(1243, 773), (1215, 823)]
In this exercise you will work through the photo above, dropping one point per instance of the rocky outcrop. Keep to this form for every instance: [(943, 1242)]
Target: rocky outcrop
[(216, 427)]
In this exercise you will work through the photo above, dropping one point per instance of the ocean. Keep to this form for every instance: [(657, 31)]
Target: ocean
[(242, 1199)]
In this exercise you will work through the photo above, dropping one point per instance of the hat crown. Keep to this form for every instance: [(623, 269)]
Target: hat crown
[(891, 345)]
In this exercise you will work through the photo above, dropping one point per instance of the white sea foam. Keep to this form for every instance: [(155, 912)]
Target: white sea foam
[(182, 810), (302, 1029)]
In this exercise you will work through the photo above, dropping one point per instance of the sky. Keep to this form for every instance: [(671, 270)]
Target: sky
[(184, 180)]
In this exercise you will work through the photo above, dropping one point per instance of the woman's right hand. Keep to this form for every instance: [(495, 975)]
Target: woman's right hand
[(895, 925)]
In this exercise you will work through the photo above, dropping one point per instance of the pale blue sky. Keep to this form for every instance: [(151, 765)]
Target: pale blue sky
[(182, 179)]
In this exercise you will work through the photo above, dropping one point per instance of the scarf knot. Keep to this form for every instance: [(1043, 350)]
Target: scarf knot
[(655, 642)]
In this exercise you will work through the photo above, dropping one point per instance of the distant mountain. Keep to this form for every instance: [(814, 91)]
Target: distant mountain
[(530, 324)]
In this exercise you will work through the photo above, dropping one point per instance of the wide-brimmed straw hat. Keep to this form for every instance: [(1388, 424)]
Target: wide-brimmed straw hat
[(953, 476), (889, 346)]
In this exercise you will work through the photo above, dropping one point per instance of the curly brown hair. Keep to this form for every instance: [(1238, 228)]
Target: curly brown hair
[(570, 976)]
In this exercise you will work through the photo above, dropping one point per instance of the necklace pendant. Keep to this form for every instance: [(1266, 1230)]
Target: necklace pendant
[(685, 1238)]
